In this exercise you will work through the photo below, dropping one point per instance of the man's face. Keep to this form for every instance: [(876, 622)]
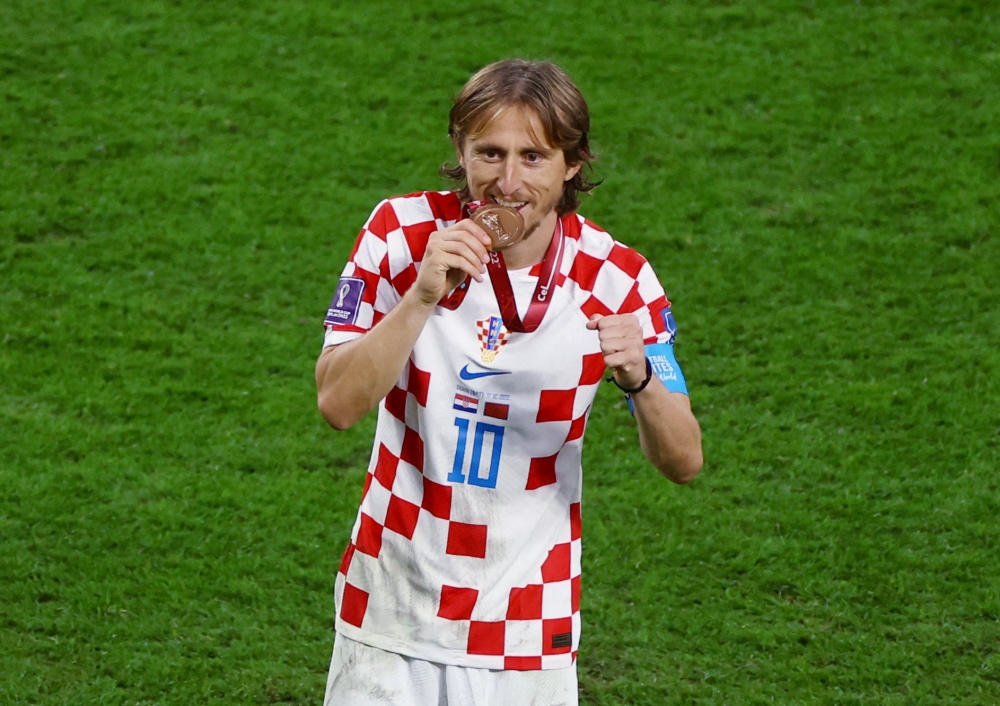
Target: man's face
[(511, 163)]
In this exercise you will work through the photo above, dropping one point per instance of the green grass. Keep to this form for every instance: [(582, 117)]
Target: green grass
[(816, 184)]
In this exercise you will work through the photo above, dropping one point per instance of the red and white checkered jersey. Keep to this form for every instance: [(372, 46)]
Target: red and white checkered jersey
[(466, 549)]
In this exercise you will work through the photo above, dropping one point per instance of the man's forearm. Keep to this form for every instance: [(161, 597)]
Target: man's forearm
[(352, 378), (669, 434)]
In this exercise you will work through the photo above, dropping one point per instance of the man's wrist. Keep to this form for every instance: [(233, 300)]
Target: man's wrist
[(638, 388), (416, 299)]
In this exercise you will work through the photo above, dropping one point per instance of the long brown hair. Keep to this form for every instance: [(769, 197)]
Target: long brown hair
[(549, 92)]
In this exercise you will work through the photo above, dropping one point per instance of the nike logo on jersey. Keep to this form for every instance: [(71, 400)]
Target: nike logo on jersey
[(467, 374)]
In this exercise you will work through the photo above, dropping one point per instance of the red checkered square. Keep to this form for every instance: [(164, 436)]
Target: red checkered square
[(353, 605), (525, 603), (383, 221), (584, 270), (576, 428), (553, 628), (369, 536), (593, 369), (633, 302), (522, 663), (486, 638), (555, 405), (541, 472), (345, 561), (385, 467), (556, 566), (413, 449), (368, 484), (575, 583), (417, 236), (417, 384), (457, 603), (466, 540), (437, 499), (595, 306), (575, 521), (404, 280), (395, 403), (444, 205), (401, 517), (627, 260)]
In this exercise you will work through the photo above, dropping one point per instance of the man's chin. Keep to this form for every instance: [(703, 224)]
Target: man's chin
[(532, 227)]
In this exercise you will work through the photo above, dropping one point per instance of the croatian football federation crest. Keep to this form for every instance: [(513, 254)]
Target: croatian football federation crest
[(493, 336), (669, 326)]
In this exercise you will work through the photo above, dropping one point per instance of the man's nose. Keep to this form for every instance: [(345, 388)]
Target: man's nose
[(511, 179)]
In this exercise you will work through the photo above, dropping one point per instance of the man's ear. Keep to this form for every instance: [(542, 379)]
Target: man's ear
[(572, 171)]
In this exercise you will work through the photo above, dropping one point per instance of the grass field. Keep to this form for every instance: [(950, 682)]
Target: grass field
[(816, 183)]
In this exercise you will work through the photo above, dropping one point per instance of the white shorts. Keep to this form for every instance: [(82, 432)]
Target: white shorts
[(361, 675)]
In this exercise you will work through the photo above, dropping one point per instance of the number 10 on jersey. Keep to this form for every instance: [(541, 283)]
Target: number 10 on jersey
[(481, 432)]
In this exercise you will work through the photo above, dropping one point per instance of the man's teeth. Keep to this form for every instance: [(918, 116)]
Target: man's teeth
[(511, 204)]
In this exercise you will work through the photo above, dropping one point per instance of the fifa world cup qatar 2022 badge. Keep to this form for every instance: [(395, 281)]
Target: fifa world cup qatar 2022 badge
[(492, 337), (346, 301)]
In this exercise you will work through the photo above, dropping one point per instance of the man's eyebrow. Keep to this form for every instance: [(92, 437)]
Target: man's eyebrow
[(490, 147)]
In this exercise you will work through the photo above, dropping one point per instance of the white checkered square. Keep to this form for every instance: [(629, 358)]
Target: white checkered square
[(399, 253), (650, 288), (612, 286), (376, 503), (523, 638), (385, 299), (371, 252), (556, 599), (411, 210), (595, 242), (409, 483)]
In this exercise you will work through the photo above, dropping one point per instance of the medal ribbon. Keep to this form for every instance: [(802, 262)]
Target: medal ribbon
[(544, 290)]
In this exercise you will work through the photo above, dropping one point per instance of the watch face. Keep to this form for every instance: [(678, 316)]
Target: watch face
[(504, 225)]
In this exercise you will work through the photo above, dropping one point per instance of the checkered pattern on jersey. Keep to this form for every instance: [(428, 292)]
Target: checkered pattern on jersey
[(609, 277), (565, 408), (541, 628), (397, 496), (528, 622), (388, 251), (606, 277)]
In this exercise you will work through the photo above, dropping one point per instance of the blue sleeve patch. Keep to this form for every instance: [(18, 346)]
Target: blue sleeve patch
[(665, 367), (664, 364)]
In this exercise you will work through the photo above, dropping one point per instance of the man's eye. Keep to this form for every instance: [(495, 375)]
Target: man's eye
[(491, 154), (533, 158)]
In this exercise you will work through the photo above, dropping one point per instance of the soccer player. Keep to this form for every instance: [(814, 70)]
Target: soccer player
[(461, 582)]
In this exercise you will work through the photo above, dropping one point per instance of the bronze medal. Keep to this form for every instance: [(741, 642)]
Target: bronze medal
[(504, 225)]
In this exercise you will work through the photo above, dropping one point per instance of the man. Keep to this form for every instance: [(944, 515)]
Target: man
[(461, 581)]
